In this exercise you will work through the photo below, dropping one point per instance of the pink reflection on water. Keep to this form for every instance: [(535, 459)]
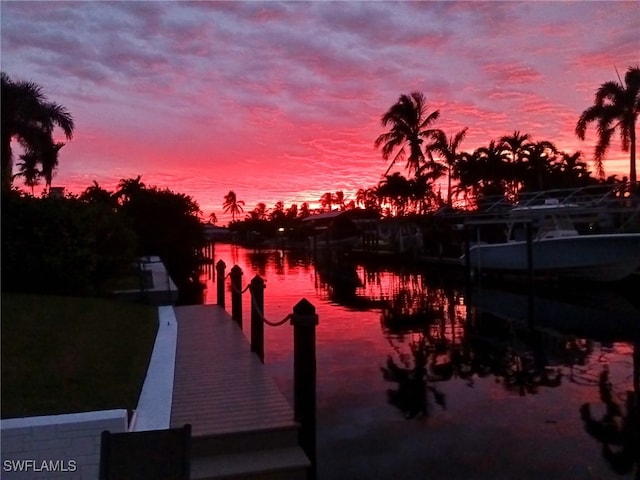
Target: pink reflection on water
[(380, 328)]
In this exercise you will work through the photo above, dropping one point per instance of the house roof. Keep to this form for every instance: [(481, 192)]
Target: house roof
[(354, 213)]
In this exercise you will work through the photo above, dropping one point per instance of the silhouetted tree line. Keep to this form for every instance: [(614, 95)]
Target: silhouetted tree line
[(81, 244)]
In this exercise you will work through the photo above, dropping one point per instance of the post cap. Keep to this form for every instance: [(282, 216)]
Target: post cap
[(220, 264), (304, 307), (236, 269), (258, 280)]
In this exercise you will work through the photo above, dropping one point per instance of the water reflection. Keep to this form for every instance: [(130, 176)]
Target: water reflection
[(617, 427), (437, 351), (414, 382)]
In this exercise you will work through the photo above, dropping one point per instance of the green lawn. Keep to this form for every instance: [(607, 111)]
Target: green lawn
[(67, 354)]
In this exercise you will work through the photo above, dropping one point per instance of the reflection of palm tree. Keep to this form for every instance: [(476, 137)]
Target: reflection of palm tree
[(616, 105), (410, 125), (618, 427), (411, 397), (30, 118), (233, 205)]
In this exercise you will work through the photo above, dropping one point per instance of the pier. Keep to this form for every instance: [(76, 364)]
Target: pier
[(242, 426)]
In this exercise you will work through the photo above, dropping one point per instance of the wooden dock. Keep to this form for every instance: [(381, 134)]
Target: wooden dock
[(242, 426)]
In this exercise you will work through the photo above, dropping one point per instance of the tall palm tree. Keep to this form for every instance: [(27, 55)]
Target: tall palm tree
[(448, 149), (28, 117), (410, 125), (233, 205), (616, 106)]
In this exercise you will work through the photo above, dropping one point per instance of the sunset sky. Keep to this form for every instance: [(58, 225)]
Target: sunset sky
[(282, 101)]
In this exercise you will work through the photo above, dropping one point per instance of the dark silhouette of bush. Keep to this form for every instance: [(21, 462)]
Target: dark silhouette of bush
[(62, 245)]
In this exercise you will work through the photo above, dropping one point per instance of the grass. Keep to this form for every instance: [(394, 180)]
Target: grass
[(68, 355)]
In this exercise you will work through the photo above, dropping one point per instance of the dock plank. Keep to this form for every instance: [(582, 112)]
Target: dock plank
[(220, 386)]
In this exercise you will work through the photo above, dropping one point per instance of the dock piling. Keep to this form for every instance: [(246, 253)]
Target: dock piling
[(220, 278), (304, 321), (256, 288), (236, 294)]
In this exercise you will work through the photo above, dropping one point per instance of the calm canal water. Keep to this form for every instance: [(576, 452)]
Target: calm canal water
[(419, 380)]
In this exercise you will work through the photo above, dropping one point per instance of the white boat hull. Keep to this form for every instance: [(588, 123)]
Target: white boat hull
[(604, 258)]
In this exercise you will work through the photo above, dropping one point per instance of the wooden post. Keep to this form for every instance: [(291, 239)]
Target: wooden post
[(304, 321), (257, 287), (236, 294), (220, 279)]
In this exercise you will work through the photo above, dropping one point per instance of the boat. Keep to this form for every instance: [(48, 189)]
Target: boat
[(543, 240)]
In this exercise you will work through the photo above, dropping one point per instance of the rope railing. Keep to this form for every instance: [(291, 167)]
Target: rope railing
[(303, 320)]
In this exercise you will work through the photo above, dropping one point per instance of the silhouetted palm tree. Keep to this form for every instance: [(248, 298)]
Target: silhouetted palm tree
[(303, 211), (327, 200), (129, 187), (28, 117), (422, 194), (340, 200), (448, 149), (396, 190), (49, 159), (292, 212), (516, 149), (277, 214), (259, 212), (573, 170), (616, 106), (97, 195), (28, 169), (537, 165), (233, 205), (482, 173), (409, 127)]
